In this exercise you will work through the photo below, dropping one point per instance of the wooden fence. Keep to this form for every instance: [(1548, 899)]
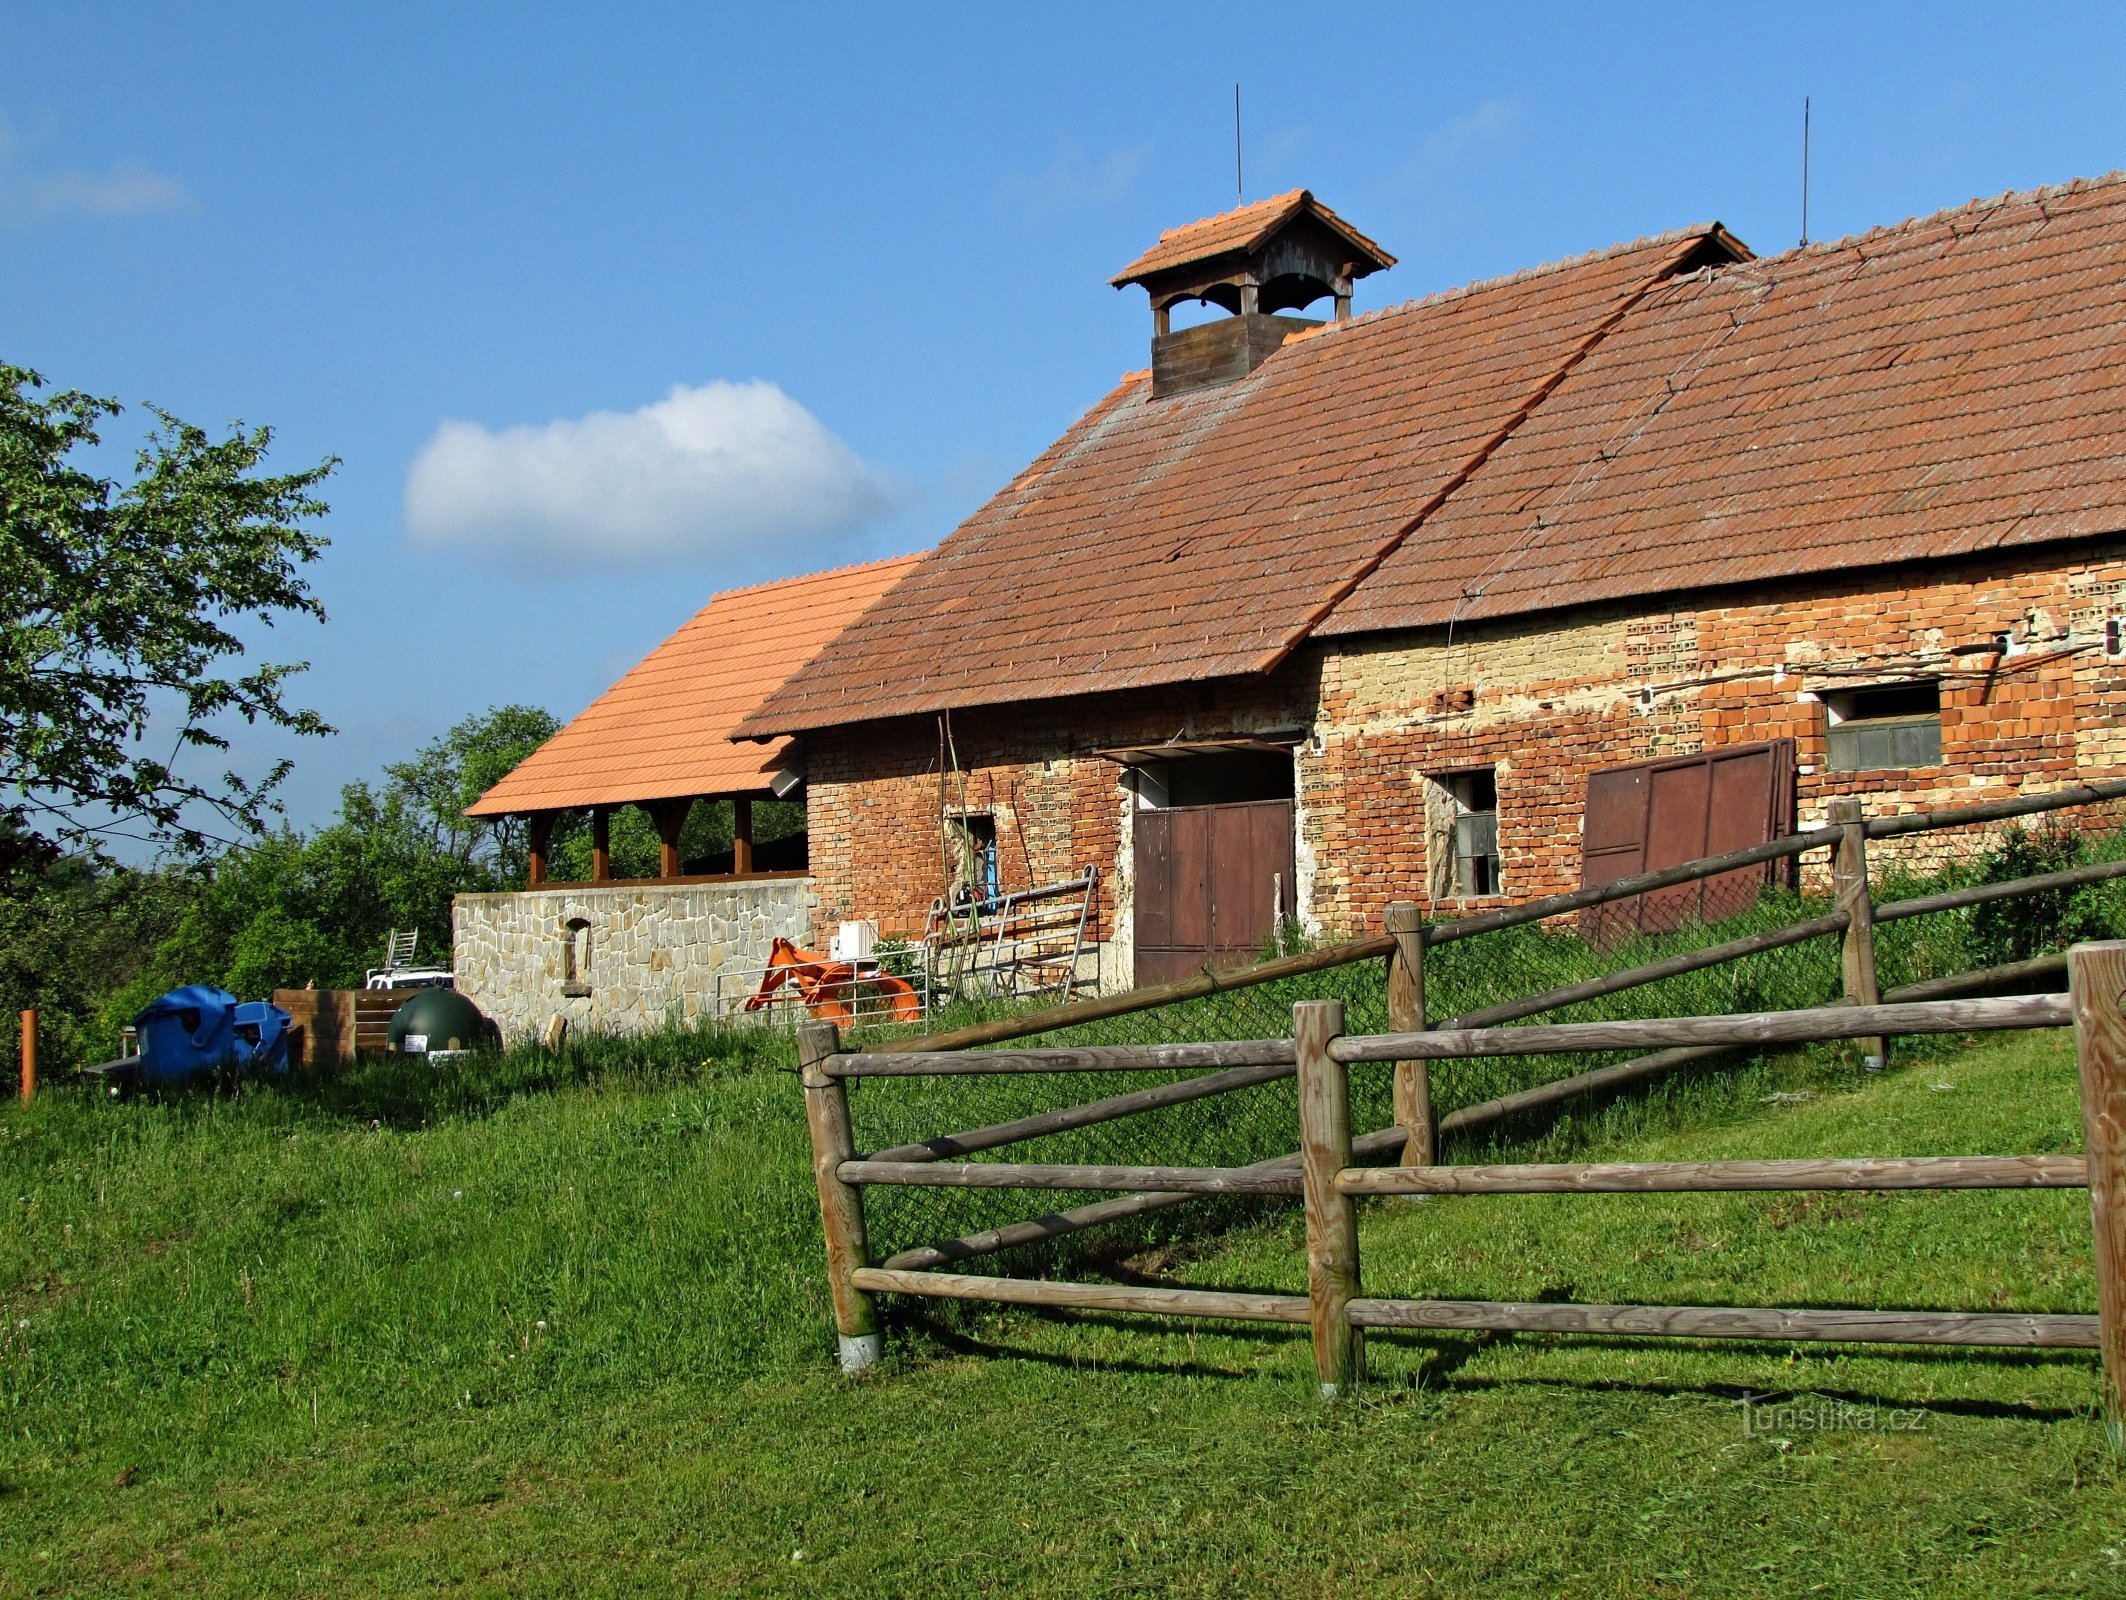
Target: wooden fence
[(1414, 1126), (1328, 1180)]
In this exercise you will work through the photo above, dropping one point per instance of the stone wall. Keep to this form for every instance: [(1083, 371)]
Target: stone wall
[(621, 958)]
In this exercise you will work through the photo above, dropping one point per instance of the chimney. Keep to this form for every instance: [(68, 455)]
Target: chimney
[(1276, 255)]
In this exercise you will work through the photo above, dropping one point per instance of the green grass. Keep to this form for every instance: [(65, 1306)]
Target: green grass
[(538, 1327)]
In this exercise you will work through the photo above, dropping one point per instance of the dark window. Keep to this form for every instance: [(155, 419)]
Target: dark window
[(1238, 777), (1462, 816), (974, 857), (1893, 725)]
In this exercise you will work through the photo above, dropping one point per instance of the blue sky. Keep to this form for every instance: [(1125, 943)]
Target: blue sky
[(832, 274)]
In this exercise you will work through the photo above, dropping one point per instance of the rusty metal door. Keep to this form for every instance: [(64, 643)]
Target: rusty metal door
[(1211, 882), (1654, 814)]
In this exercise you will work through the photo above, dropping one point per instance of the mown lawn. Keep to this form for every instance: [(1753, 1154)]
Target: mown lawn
[(546, 1333)]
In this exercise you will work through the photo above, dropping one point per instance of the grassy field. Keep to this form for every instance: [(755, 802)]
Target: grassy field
[(542, 1328)]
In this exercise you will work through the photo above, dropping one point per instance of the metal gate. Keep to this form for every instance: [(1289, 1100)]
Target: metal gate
[(1654, 814), (1211, 882)]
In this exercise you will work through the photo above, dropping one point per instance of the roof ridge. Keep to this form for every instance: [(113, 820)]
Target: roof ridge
[(1977, 203), (1290, 196), (804, 577), (1695, 230)]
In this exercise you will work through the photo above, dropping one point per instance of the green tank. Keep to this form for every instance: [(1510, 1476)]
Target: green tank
[(438, 1019)]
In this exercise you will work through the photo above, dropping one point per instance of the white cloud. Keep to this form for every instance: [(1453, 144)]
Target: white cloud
[(123, 189), (1074, 181), (713, 471)]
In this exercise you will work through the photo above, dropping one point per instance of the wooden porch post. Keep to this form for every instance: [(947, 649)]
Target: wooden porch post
[(2096, 976), (601, 845), (671, 819), (1849, 875), (1332, 1216), (539, 829), (1406, 1014), (841, 1206), (742, 834)]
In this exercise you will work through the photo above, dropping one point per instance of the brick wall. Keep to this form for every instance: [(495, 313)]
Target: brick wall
[(1542, 702)]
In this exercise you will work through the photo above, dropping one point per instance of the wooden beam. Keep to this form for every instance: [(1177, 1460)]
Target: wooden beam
[(1711, 955), (1849, 878), (1332, 1218), (1290, 1308), (1708, 1177), (2014, 1329), (671, 819), (1129, 1001), (2097, 974), (1028, 1175), (884, 1063), (1083, 1116), (2026, 805), (841, 1207), (539, 836), (2047, 969), (1979, 894), (1763, 1027), (601, 845), (1412, 1092), (742, 834)]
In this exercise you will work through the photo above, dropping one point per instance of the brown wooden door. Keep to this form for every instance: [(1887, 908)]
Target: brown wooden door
[(1210, 883), (1654, 814)]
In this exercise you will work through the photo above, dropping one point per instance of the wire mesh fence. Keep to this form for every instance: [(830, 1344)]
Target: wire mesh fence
[(1462, 976)]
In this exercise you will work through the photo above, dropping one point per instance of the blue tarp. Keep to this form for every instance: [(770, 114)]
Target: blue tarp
[(199, 1029)]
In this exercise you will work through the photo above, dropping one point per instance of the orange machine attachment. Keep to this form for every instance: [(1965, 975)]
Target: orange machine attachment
[(833, 990)]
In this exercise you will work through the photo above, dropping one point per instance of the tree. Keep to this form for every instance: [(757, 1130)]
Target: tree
[(116, 604), (446, 776)]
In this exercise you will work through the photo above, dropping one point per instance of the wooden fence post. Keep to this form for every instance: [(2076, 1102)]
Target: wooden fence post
[(841, 1206), (1849, 875), (1332, 1217), (29, 1055), (2096, 976), (1406, 1014)]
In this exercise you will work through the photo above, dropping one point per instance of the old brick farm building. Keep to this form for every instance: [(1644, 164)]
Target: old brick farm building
[(1613, 562)]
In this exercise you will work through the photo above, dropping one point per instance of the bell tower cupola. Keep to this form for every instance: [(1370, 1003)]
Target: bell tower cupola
[(1274, 256)]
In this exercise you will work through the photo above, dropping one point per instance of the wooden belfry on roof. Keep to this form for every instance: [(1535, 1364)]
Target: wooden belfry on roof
[(660, 738), (1280, 254)]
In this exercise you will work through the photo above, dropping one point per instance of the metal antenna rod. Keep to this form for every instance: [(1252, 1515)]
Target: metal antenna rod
[(1239, 188), (1804, 169)]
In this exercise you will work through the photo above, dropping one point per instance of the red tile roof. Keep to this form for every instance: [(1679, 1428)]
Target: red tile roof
[(1619, 426), (1238, 230), (1952, 385), (664, 730), (1160, 541)]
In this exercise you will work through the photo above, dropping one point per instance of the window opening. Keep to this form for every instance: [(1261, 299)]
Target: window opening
[(1462, 828), (975, 872), (1886, 726), (1234, 778), (576, 957)]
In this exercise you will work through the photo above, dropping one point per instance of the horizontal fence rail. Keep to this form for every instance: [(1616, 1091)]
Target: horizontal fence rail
[(1448, 1044), (2017, 1330), (1766, 1027), (1704, 1177)]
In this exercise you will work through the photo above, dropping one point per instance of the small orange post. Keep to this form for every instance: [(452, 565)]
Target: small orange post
[(29, 1055)]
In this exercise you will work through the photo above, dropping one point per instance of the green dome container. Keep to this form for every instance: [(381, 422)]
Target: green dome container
[(438, 1019)]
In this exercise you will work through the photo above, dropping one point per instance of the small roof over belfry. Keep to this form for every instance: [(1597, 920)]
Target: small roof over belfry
[(664, 731), (1223, 240)]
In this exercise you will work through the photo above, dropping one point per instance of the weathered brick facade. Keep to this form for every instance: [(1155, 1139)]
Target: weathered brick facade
[(1542, 701)]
